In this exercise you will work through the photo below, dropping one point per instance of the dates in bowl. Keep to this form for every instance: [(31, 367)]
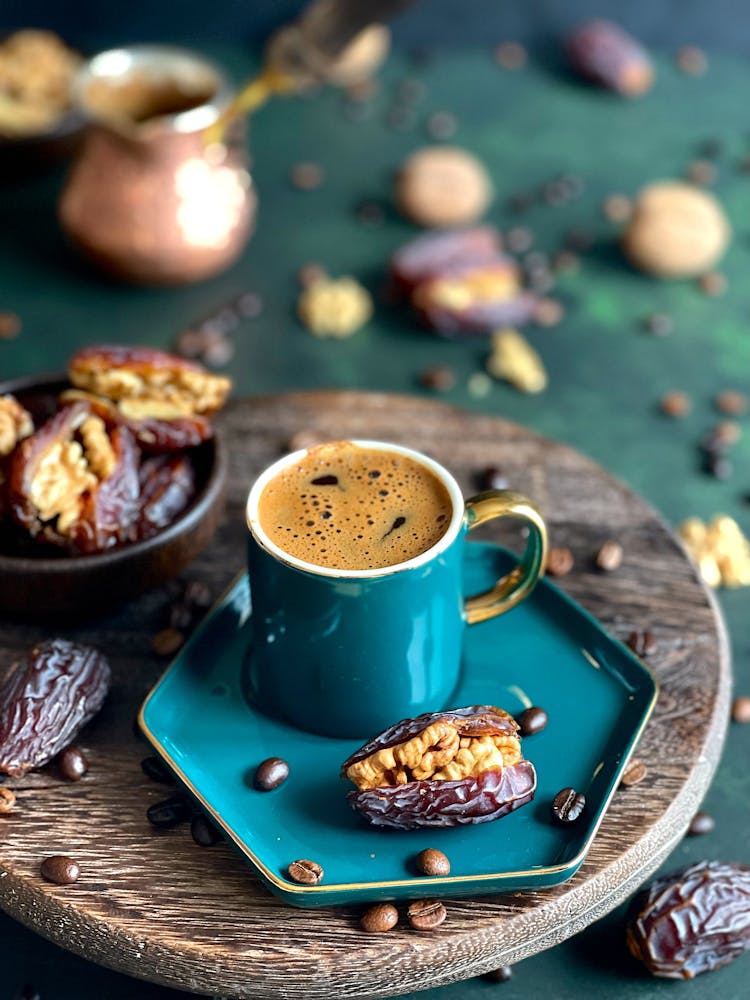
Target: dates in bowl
[(111, 480)]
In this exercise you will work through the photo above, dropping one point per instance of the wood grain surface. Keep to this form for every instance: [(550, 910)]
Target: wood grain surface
[(155, 905)]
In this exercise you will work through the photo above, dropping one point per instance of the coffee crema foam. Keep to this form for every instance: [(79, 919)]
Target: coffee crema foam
[(346, 506)]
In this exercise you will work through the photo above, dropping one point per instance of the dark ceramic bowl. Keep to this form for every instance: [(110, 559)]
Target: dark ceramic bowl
[(42, 585)]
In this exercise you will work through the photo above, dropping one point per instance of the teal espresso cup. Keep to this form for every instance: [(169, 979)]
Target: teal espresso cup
[(349, 652)]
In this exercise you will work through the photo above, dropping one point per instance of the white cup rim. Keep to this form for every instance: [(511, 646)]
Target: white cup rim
[(440, 546)]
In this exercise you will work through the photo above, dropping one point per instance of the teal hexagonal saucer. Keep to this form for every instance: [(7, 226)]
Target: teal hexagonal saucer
[(548, 651)]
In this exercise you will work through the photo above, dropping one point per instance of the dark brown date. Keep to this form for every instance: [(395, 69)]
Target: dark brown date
[(692, 921), (432, 253), (609, 56), (74, 482), (46, 699), (167, 487), (442, 769)]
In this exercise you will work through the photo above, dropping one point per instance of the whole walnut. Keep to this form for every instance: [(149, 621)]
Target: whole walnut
[(676, 231)]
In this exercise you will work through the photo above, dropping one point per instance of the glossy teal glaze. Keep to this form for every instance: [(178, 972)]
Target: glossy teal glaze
[(549, 651), (345, 657)]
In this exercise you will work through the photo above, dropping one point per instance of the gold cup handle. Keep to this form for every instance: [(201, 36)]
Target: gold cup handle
[(517, 584)]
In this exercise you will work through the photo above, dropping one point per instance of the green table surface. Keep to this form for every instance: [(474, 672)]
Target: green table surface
[(606, 373)]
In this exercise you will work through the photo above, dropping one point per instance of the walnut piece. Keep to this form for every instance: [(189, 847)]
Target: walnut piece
[(97, 447), (61, 479), (720, 550), (516, 361), (334, 307), (437, 753), (15, 424)]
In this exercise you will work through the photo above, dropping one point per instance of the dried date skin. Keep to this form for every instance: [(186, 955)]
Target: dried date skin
[(606, 54), (46, 699), (421, 804), (431, 253), (692, 921), (167, 487)]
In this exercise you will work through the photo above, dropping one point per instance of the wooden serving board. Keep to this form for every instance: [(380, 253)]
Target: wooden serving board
[(153, 904)]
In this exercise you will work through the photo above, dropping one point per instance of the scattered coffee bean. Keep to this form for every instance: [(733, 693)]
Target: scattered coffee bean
[(190, 344), (560, 561), (306, 176), (721, 438), (579, 239), (310, 274), (370, 213), (10, 325), (519, 239), (713, 283), (520, 202), (730, 401), (432, 862), (180, 617), (72, 763), (566, 262), (154, 769), (642, 642), (479, 385), (169, 812), (710, 148), (60, 869), (634, 773), (741, 709), (426, 914), (701, 172), (401, 118), (411, 90), (167, 641), (203, 831), (441, 125), (501, 975), (249, 305), (719, 466), (197, 594), (691, 60), (379, 918), (541, 280), (510, 55), (548, 312), (701, 823), (617, 208), (7, 800), (305, 872), (568, 805), (219, 353), (439, 378), (532, 720), (659, 324), (675, 404), (271, 773), (609, 556), (493, 478)]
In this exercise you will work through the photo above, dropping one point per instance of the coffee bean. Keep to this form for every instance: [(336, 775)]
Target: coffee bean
[(579, 239), (710, 148), (568, 805), (532, 720), (379, 918), (659, 324), (310, 274), (741, 709), (169, 812), (411, 90), (72, 763), (702, 172), (730, 401), (560, 561), (305, 872), (167, 642), (401, 118), (721, 438), (180, 617), (271, 773), (617, 208), (642, 642), (441, 125), (501, 975), (190, 344), (306, 176), (197, 594), (203, 831), (60, 869), (426, 914), (634, 773), (566, 262), (219, 353), (432, 862), (719, 466), (370, 213), (675, 404), (7, 800), (249, 305), (493, 479), (691, 60), (520, 202), (510, 55), (154, 769), (519, 239), (713, 283), (439, 378), (609, 556), (701, 823), (548, 312), (10, 325)]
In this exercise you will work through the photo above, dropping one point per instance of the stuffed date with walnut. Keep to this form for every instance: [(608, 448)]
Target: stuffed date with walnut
[(442, 769)]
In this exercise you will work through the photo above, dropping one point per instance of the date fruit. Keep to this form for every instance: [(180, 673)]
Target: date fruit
[(46, 699), (442, 769), (432, 253), (692, 921), (609, 56), (167, 485), (74, 482)]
